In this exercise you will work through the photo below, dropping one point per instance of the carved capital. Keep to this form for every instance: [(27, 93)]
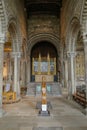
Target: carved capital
[(16, 54), (71, 54), (85, 39)]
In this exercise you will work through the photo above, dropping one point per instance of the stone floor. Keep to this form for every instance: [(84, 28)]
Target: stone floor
[(64, 115)]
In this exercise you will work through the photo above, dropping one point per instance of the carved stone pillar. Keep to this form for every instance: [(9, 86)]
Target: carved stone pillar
[(2, 41), (21, 73), (39, 66), (66, 74), (16, 84), (65, 68), (71, 75), (48, 60), (28, 71), (85, 50), (9, 68)]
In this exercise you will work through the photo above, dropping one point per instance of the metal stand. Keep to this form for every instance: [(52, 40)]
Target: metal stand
[(44, 113)]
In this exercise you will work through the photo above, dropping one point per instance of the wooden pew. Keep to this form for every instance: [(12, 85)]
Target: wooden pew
[(80, 96)]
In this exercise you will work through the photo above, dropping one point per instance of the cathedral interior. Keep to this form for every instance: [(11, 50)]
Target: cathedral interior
[(43, 39)]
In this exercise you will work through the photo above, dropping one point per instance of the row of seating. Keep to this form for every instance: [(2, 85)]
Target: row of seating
[(9, 96), (80, 95), (23, 90)]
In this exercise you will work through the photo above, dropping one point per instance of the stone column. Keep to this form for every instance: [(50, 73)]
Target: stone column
[(21, 73), (39, 61), (18, 90), (65, 68), (29, 70), (9, 68), (85, 50), (48, 60), (66, 73), (28, 74), (24, 77), (2, 41), (16, 84), (71, 74)]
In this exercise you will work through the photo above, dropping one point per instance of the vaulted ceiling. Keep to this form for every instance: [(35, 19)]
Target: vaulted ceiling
[(43, 7)]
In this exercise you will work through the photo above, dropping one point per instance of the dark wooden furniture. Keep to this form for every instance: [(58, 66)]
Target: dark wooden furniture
[(80, 95)]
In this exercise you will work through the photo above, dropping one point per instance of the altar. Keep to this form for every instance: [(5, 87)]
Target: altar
[(49, 78), (44, 62), (43, 66)]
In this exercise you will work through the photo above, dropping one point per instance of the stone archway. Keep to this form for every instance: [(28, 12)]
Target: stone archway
[(12, 58), (44, 62), (84, 17), (47, 37), (80, 62), (12, 29), (43, 37), (2, 41), (3, 23), (40, 38), (73, 31), (84, 33), (23, 64)]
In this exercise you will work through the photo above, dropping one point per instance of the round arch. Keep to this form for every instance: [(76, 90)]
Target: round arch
[(3, 17), (84, 17), (46, 46), (44, 37), (72, 34), (12, 29), (40, 38)]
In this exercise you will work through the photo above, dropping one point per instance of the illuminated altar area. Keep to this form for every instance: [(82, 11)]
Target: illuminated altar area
[(44, 58)]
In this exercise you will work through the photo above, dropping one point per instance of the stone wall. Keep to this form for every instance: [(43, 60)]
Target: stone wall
[(43, 24), (15, 9), (70, 9)]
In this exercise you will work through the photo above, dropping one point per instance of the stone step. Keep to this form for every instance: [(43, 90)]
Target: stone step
[(54, 89)]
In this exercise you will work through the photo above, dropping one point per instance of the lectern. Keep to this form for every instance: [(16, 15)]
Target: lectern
[(44, 110)]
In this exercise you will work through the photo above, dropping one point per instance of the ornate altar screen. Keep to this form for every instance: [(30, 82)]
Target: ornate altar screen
[(44, 62)]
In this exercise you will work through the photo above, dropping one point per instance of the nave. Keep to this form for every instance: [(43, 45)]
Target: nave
[(64, 115), (43, 38)]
